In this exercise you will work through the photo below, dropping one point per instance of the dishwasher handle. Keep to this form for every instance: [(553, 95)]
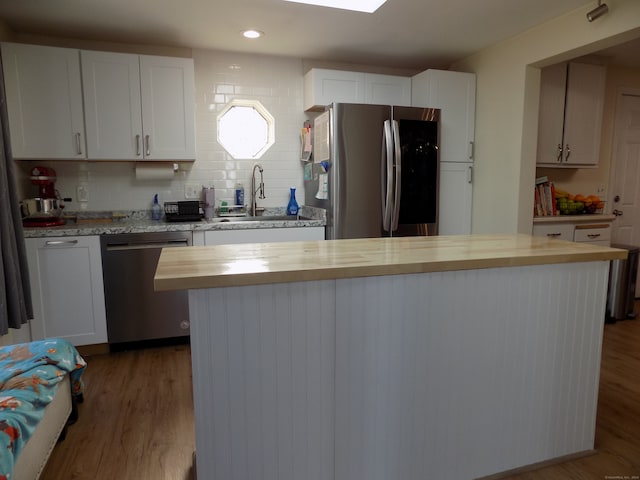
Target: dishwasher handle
[(145, 246)]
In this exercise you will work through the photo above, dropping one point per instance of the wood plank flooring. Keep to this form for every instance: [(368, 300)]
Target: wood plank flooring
[(136, 422), (137, 418)]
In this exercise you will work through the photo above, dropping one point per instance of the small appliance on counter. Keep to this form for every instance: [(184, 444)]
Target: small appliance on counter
[(184, 211), (46, 209)]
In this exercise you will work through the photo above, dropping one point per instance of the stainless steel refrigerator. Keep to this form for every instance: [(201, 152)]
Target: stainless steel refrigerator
[(375, 170)]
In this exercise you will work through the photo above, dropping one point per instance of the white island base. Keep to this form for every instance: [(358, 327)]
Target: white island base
[(448, 375)]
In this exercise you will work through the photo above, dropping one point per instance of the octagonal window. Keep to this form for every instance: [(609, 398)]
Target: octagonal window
[(245, 129)]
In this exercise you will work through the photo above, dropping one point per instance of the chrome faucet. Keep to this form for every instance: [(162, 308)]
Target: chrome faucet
[(254, 190)]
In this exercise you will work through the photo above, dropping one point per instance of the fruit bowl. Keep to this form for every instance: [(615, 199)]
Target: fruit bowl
[(579, 205)]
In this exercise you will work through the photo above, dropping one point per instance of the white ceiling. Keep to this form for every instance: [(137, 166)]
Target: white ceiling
[(411, 34)]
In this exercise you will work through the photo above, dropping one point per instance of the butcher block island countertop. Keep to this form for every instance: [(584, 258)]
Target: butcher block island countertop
[(255, 264), (453, 358)]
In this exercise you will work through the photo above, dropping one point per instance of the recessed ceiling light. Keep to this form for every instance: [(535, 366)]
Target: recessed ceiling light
[(252, 34), (368, 6)]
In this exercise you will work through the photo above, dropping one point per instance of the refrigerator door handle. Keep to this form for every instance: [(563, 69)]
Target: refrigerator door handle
[(387, 175), (398, 173)]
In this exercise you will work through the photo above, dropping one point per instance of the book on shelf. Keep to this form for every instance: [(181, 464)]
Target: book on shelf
[(544, 198)]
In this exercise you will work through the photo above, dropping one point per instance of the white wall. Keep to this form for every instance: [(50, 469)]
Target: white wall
[(506, 108), (276, 82)]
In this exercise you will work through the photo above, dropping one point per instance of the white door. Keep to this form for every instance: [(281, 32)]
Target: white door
[(168, 107), (624, 194), (113, 111)]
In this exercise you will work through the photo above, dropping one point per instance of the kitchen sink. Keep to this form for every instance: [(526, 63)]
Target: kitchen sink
[(261, 218)]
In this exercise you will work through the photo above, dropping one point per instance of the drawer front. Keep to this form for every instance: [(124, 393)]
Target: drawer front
[(593, 233), (559, 231)]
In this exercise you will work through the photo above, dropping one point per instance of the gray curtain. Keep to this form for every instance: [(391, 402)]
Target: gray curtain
[(15, 295)]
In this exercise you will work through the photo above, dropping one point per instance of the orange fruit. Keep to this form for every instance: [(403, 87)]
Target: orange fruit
[(579, 198)]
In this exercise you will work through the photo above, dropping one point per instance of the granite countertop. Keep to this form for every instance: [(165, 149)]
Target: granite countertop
[(140, 222), (183, 268)]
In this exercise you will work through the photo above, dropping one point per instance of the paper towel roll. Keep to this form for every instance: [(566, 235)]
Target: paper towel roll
[(154, 172)]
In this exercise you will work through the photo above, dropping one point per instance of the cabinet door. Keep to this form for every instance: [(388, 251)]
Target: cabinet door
[(454, 93), (44, 101), (112, 104), (322, 87), (583, 115), (595, 234), (263, 235), (67, 289), (167, 108), (387, 90), (553, 87), (558, 231), (456, 195)]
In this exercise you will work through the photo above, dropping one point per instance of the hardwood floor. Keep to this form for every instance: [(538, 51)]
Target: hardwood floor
[(137, 418), (136, 421)]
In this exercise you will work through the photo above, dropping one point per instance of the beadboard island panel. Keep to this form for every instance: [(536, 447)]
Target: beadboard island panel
[(441, 357)]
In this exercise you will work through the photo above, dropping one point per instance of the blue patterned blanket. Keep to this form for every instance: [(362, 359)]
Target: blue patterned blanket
[(29, 378)]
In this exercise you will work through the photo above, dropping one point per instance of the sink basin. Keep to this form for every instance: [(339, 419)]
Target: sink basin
[(262, 218)]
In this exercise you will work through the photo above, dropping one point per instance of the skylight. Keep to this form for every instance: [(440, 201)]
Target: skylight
[(368, 6)]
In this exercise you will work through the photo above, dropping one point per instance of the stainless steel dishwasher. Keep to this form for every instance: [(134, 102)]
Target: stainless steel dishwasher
[(135, 311)]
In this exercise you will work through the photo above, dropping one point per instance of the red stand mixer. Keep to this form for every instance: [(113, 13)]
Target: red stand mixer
[(46, 209)]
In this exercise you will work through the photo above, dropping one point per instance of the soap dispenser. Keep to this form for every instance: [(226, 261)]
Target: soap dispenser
[(156, 211)]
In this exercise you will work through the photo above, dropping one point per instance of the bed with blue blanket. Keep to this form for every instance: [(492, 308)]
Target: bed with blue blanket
[(38, 381)]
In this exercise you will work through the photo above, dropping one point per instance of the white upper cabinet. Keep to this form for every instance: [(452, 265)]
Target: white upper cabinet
[(112, 105), (138, 107), (454, 93), (323, 87), (44, 102), (570, 115), (387, 90), (167, 86)]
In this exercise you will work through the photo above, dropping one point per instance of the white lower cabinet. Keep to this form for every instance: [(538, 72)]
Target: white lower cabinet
[(263, 235), (67, 289), (582, 229)]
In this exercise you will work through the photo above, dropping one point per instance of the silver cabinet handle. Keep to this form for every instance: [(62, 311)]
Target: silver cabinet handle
[(470, 175), (471, 150), (593, 235), (78, 144), (53, 243), (566, 159), (146, 147), (553, 235), (137, 145), (559, 154)]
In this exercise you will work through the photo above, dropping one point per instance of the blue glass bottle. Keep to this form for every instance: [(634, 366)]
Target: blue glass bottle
[(292, 206)]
